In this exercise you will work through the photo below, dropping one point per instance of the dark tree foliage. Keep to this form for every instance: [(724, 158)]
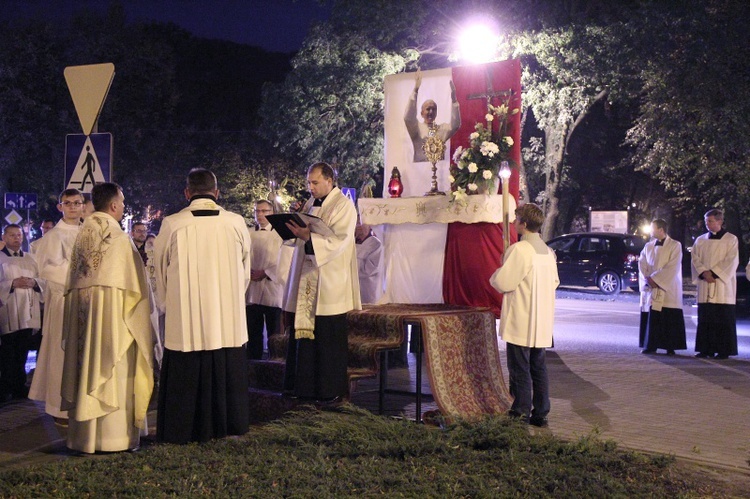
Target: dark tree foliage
[(693, 134), (176, 102)]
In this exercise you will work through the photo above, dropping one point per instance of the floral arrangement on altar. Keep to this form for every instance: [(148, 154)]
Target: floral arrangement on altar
[(474, 170)]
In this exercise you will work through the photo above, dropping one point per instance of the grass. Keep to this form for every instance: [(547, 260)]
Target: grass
[(348, 452)]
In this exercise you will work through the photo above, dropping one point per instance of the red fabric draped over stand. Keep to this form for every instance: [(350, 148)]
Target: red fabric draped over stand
[(474, 251)]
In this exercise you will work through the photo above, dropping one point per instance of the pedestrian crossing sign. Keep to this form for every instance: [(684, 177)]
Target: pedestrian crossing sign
[(88, 160)]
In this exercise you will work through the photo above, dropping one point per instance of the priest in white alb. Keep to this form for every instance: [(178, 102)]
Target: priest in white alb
[(660, 280), (715, 258), (108, 338), (321, 289), (52, 254)]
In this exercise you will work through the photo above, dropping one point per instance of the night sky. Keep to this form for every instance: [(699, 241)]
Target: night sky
[(275, 25)]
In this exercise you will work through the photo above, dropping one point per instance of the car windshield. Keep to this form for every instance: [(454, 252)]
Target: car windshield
[(563, 244)]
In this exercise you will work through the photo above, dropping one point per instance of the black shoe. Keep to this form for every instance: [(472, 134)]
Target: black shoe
[(701, 355), (539, 421), (518, 416), (721, 357), (670, 352), (647, 351)]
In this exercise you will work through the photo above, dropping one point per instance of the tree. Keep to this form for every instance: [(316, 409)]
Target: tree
[(693, 134), (568, 72), (330, 106)]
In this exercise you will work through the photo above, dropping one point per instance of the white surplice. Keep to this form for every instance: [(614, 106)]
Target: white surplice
[(52, 255), (204, 305), (334, 259), (722, 258), (20, 307), (528, 281), (108, 340), (663, 264), (370, 266), (272, 256)]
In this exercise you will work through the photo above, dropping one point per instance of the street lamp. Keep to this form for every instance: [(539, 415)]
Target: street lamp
[(505, 179), (478, 43)]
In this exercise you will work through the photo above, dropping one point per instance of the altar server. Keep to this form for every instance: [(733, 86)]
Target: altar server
[(322, 287), (660, 279), (528, 279), (202, 258), (270, 268), (369, 264), (108, 339), (52, 255), (20, 295), (714, 262)]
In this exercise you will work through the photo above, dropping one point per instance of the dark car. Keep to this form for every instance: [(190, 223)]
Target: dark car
[(608, 261)]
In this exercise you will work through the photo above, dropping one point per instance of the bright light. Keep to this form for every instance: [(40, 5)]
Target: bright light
[(504, 171), (478, 44), (646, 228)]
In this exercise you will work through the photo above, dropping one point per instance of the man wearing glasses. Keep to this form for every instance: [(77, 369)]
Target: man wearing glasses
[(53, 260), (270, 268), (139, 233)]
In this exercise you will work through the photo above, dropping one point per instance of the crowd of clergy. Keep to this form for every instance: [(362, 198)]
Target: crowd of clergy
[(187, 309)]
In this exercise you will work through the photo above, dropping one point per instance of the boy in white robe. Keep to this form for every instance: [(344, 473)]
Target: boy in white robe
[(714, 262), (660, 279), (52, 255), (528, 278)]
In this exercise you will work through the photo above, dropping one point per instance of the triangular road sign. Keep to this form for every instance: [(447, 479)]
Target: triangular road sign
[(89, 86), (88, 171)]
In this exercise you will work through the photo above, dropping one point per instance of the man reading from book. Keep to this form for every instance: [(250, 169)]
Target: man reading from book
[(322, 287)]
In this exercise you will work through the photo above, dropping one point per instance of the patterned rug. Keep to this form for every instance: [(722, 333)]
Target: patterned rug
[(461, 354)]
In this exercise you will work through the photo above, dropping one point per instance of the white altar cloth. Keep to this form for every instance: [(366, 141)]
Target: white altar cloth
[(414, 232)]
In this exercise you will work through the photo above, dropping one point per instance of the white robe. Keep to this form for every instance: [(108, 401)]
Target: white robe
[(52, 255), (663, 264), (202, 272), (528, 280), (419, 131), (370, 264), (20, 309), (108, 340), (720, 256), (272, 256), (335, 259)]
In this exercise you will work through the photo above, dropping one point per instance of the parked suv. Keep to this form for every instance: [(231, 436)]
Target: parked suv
[(608, 261)]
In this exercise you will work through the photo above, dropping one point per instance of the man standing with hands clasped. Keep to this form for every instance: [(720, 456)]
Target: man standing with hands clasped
[(528, 279), (660, 278), (202, 258), (20, 294), (714, 269)]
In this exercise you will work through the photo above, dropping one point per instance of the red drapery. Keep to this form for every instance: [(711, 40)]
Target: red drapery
[(474, 251)]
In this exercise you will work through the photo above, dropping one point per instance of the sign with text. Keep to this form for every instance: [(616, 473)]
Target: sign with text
[(609, 221)]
